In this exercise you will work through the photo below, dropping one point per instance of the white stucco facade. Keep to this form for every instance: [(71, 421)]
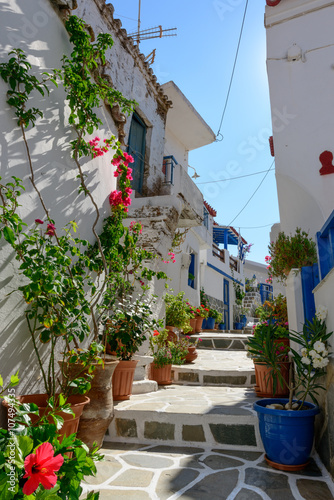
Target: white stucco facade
[(300, 54)]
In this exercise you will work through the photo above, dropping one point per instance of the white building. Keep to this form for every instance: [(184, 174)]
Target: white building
[(300, 55)]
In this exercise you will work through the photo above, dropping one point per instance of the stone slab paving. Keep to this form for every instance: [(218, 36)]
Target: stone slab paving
[(157, 472), (212, 416), (217, 367)]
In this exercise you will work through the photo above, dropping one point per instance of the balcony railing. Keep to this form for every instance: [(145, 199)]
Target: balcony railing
[(234, 263), (219, 253)]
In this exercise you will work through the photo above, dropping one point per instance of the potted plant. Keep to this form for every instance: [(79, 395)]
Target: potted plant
[(239, 312), (161, 367), (130, 321), (287, 425), (290, 252), (177, 312), (190, 348), (269, 350)]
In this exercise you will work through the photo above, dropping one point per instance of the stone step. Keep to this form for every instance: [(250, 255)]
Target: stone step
[(220, 417), (216, 368), (221, 341)]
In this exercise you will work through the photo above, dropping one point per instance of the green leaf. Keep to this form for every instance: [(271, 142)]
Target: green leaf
[(1, 381), (14, 379), (9, 235)]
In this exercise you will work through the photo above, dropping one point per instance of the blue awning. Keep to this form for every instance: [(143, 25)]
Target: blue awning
[(219, 235)]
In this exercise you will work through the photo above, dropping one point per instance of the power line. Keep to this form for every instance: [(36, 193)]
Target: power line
[(257, 227), (232, 76), (234, 178), (256, 190)]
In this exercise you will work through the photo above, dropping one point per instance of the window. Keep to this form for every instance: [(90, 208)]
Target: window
[(191, 271), (136, 148)]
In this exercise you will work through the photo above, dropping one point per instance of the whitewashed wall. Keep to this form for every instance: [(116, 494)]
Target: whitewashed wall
[(36, 28), (302, 99)]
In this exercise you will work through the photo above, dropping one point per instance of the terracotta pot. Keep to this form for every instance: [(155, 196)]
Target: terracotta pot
[(192, 354), (264, 380), (283, 340), (122, 380), (162, 375), (70, 425), (96, 416), (199, 322), (172, 336), (192, 323)]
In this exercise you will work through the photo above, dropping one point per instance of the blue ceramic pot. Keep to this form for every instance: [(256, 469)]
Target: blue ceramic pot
[(210, 324), (204, 327), (221, 326), (238, 326), (243, 320), (287, 435)]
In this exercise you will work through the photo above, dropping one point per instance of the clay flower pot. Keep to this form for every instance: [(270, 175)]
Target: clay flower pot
[(199, 323), (192, 323), (122, 380), (172, 336), (162, 374), (70, 425), (264, 380), (192, 354)]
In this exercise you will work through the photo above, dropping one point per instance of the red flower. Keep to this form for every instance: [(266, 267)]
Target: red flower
[(40, 468), (39, 221), (155, 333)]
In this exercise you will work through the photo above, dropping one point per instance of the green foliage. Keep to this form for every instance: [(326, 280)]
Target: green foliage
[(177, 311), (264, 348), (311, 359), (15, 72), (85, 87), (291, 252)]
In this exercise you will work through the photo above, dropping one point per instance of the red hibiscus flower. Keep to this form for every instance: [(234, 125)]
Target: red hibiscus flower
[(40, 468)]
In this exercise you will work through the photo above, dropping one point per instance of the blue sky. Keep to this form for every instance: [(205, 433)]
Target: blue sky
[(200, 60)]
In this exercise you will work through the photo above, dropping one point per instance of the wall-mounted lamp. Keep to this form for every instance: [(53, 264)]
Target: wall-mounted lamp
[(195, 176)]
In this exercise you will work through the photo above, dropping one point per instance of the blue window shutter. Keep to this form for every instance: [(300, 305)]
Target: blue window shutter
[(136, 148), (310, 279)]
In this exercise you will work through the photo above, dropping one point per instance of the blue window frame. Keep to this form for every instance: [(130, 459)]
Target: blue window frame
[(137, 147), (191, 271), (227, 304), (325, 243)]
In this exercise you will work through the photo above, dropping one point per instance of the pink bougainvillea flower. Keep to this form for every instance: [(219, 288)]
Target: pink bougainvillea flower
[(117, 161), (39, 221), (51, 229), (128, 158), (40, 468)]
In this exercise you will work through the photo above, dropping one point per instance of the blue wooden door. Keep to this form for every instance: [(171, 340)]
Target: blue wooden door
[(310, 279), (136, 148), (227, 304)]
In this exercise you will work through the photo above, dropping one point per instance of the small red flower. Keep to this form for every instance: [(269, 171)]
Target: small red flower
[(40, 468), (155, 333), (39, 221), (51, 230)]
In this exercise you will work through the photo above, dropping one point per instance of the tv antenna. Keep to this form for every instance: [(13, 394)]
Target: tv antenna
[(156, 32)]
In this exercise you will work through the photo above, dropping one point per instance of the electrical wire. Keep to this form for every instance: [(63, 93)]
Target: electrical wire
[(257, 227), (256, 190), (232, 76), (234, 178)]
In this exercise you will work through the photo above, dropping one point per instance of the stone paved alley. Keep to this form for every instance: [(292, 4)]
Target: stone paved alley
[(200, 442)]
